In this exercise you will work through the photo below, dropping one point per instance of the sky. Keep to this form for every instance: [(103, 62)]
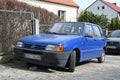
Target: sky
[(85, 3)]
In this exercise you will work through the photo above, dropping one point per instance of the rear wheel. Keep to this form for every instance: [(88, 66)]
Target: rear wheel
[(101, 59), (72, 62)]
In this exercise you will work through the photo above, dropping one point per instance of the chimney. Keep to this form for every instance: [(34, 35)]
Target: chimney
[(114, 3)]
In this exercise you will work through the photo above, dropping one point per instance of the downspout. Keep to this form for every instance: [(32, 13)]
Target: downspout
[(77, 14)]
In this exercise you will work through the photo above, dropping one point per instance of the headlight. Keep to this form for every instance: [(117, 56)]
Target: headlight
[(51, 47), (54, 48), (19, 44)]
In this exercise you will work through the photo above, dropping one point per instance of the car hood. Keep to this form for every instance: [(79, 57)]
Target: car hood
[(113, 39), (47, 38)]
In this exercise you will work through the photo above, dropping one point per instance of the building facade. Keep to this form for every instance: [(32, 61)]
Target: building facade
[(67, 10), (105, 8)]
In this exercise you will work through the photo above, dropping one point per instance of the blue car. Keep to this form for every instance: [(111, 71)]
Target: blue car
[(65, 44)]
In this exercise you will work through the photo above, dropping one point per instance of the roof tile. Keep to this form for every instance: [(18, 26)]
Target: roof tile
[(113, 6), (64, 2)]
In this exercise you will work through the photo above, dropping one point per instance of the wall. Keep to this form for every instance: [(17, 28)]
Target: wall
[(109, 12), (119, 16), (71, 12)]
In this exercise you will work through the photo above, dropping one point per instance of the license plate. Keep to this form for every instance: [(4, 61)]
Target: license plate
[(32, 56), (112, 47)]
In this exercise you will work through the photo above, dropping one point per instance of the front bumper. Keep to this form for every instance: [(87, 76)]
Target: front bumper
[(113, 51), (54, 59)]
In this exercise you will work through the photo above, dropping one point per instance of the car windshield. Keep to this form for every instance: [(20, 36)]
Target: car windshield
[(67, 28), (115, 34)]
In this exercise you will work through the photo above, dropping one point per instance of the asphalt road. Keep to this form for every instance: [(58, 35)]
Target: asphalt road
[(90, 70)]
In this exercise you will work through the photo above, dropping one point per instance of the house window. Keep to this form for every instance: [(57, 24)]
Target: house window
[(62, 14), (98, 8), (103, 7)]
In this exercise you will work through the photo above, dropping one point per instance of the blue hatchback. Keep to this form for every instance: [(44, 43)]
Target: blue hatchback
[(63, 45)]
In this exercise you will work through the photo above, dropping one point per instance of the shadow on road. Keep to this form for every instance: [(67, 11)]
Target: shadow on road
[(86, 62), (19, 64)]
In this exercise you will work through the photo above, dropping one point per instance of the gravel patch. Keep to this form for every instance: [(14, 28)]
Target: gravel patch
[(89, 70)]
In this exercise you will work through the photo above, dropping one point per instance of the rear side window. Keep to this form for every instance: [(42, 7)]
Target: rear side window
[(97, 31)]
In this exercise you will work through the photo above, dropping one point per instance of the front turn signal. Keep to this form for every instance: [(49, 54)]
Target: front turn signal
[(59, 49)]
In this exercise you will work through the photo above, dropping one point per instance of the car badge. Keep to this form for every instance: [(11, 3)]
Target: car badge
[(33, 46)]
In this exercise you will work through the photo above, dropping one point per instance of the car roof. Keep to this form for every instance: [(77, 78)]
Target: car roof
[(78, 22), (117, 30)]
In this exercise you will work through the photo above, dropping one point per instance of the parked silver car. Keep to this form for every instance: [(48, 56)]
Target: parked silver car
[(113, 42)]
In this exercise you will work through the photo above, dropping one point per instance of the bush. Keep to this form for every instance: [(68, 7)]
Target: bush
[(87, 16), (115, 24)]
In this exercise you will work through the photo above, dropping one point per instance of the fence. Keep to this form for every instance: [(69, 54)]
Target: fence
[(14, 25), (44, 27)]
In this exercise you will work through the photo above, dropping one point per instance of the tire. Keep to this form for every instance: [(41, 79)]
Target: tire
[(101, 59), (29, 64), (72, 62)]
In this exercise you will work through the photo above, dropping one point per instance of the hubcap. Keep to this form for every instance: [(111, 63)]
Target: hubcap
[(103, 56)]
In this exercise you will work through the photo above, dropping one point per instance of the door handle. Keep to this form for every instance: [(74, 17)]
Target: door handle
[(103, 39), (94, 39)]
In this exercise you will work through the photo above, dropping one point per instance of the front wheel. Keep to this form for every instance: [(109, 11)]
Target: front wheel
[(101, 59), (72, 62)]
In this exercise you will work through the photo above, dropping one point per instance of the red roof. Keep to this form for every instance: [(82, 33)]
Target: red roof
[(113, 6), (64, 2)]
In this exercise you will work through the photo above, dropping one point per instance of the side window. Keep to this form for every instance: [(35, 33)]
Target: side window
[(78, 28), (89, 31), (97, 31)]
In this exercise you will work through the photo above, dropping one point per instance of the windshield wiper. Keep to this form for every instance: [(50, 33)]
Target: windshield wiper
[(55, 33), (50, 32)]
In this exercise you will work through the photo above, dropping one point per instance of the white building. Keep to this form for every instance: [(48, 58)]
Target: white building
[(105, 8), (65, 9)]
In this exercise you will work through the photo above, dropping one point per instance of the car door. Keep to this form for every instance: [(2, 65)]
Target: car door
[(99, 40), (89, 42)]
